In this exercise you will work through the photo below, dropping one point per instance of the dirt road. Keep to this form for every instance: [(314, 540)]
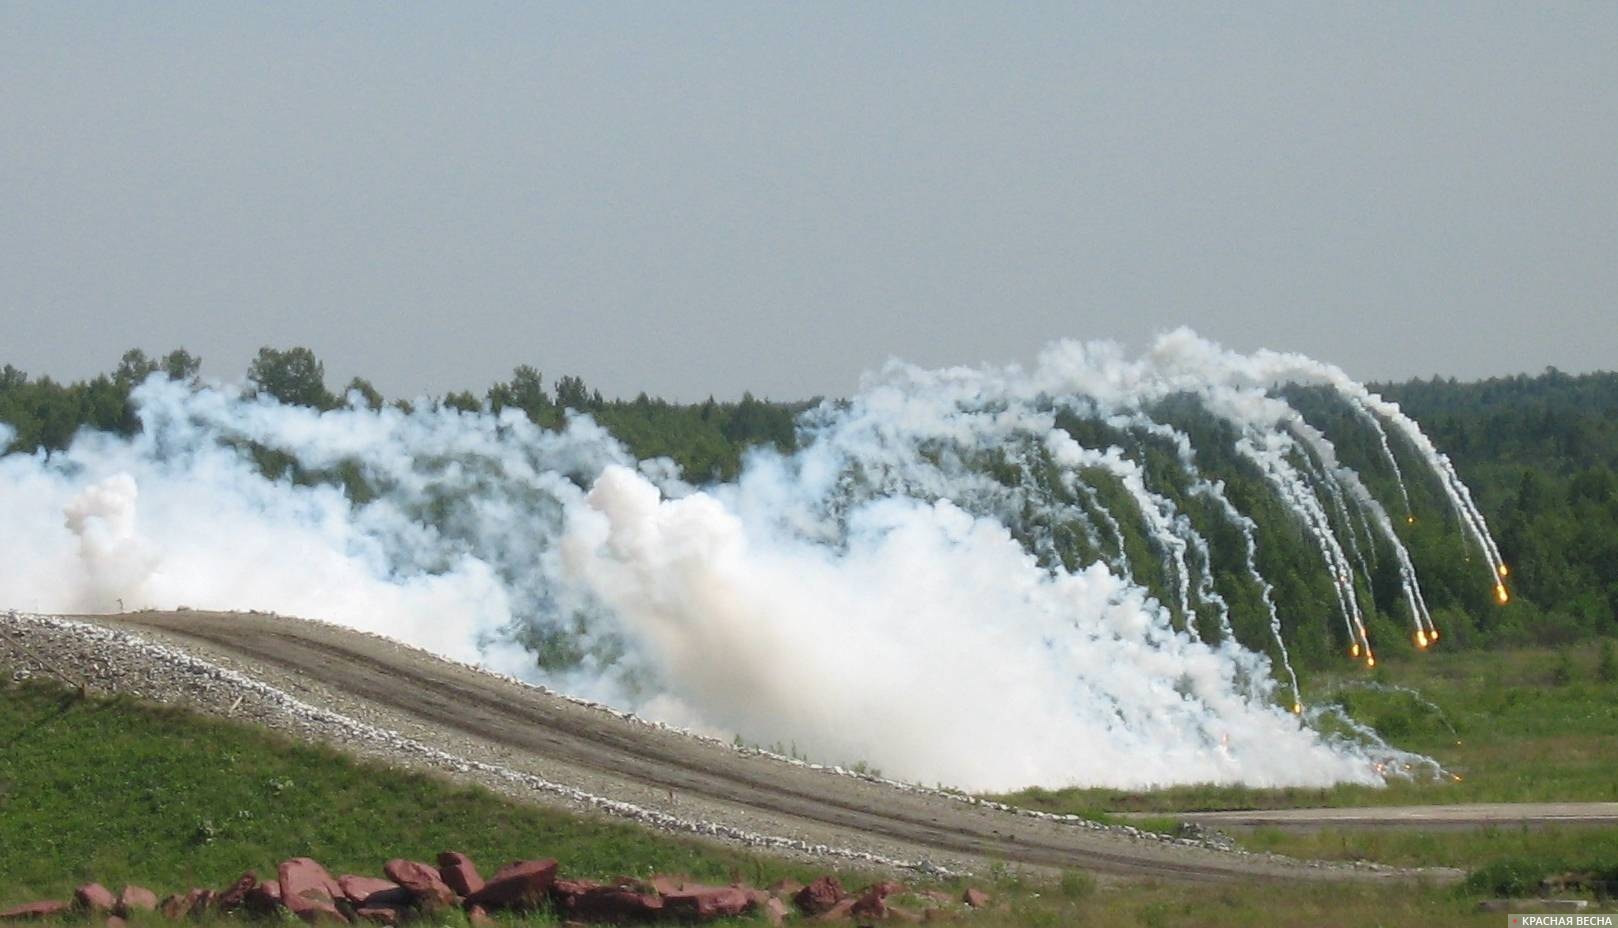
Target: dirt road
[(474, 714), (1504, 814)]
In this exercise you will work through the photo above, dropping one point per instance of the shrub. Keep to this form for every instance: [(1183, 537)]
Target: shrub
[(1515, 878), (1607, 665), (1076, 884), (1563, 674)]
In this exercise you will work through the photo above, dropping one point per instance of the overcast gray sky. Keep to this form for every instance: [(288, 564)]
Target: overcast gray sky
[(705, 198)]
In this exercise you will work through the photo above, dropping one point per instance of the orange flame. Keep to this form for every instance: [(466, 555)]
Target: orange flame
[(1421, 639), (1501, 594), (1504, 570)]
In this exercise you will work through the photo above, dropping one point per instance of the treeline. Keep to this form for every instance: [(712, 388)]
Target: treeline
[(1539, 453), (708, 439), (1541, 457)]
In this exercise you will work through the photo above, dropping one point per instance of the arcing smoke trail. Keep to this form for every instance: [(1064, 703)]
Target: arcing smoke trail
[(883, 595)]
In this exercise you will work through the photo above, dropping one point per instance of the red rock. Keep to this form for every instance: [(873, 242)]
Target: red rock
[(974, 897), (519, 885), (784, 888), (873, 902), (370, 892), (177, 907), (819, 897), (116, 921), (300, 876), (706, 902), (477, 917), (95, 898), (564, 892), (897, 914), (193, 904), (774, 910), (458, 873), (264, 898), (663, 885), (608, 904), (421, 881), (843, 909), (134, 898), (379, 914), (886, 888), (34, 911), (869, 905), (236, 896), (313, 909)]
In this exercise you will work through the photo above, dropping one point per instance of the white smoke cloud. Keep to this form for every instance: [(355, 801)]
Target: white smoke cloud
[(864, 599)]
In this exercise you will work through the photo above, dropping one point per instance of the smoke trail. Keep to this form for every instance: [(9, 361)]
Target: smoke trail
[(1249, 530), (1207, 594), (1269, 366), (1162, 522), (891, 593)]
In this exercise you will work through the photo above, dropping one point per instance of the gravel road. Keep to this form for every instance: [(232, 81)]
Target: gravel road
[(378, 698), (1476, 815)]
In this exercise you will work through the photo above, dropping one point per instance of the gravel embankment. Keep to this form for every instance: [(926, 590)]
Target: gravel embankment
[(378, 699)]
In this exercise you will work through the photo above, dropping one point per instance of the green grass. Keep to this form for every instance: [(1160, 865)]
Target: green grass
[(1529, 725), (120, 791), (1554, 849), (1267, 905)]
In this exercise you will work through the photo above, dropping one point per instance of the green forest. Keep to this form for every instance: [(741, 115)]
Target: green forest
[(1538, 452)]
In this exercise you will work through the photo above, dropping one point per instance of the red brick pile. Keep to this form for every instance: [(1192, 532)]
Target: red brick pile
[(411, 889)]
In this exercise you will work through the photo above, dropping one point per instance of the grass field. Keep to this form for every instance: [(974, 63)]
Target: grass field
[(117, 790), (1554, 849), (120, 791), (1514, 726)]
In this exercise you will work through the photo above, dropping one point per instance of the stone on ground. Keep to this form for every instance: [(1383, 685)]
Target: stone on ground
[(523, 884), (458, 873)]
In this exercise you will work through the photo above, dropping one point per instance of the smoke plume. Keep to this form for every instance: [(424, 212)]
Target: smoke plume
[(893, 593)]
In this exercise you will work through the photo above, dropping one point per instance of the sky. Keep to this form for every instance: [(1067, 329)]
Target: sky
[(706, 198)]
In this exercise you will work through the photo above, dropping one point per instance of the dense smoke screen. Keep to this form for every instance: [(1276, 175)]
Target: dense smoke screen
[(939, 583)]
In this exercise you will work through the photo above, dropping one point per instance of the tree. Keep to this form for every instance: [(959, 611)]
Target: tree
[(181, 365), (1607, 665), (133, 369), (571, 393), (369, 395), (525, 390), (294, 376), (1562, 674)]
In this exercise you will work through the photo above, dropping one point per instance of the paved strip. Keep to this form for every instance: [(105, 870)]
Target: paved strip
[(1480, 815)]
